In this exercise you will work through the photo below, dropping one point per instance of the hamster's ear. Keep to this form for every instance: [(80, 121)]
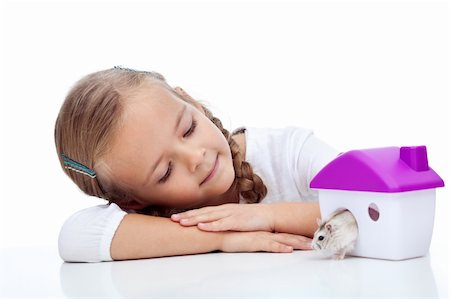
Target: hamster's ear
[(329, 228)]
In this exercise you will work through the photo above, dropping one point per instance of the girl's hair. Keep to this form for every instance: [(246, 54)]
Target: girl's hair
[(89, 118)]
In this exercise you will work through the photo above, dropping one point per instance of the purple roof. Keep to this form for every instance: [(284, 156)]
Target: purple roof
[(387, 169)]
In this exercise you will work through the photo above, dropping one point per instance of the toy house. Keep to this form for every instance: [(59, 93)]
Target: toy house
[(391, 193)]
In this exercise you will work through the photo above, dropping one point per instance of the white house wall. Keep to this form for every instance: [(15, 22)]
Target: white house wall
[(403, 230)]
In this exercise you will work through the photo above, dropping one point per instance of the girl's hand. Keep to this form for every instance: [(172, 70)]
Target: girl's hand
[(235, 217), (263, 241)]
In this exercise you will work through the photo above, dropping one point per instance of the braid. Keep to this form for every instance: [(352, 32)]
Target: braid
[(246, 183)]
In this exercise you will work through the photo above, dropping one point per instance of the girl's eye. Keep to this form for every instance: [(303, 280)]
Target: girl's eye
[(191, 129), (167, 175), (169, 169)]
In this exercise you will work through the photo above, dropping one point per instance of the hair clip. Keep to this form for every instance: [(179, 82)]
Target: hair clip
[(78, 167), (152, 74), (118, 67)]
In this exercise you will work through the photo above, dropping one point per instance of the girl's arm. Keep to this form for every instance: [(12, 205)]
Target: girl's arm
[(295, 218), (141, 236), (106, 232)]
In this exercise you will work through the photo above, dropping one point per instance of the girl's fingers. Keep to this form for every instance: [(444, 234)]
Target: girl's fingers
[(260, 241), (296, 241), (277, 247), (205, 217), (179, 216), (275, 243), (222, 224), (184, 215), (210, 209), (193, 213)]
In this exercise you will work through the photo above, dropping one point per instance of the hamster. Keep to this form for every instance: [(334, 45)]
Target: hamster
[(337, 234)]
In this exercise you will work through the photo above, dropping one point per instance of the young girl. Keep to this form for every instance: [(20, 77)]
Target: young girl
[(175, 180)]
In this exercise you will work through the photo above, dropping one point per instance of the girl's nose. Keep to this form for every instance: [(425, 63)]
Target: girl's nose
[(194, 157)]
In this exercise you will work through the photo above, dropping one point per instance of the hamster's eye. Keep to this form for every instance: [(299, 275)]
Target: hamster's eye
[(320, 238)]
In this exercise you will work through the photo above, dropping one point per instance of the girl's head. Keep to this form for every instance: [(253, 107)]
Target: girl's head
[(150, 145)]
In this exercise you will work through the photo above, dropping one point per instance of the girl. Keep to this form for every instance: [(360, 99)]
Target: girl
[(154, 153)]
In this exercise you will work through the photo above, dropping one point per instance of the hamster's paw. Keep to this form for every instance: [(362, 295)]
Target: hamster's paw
[(339, 256)]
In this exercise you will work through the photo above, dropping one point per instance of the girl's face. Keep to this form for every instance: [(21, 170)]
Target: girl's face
[(166, 148)]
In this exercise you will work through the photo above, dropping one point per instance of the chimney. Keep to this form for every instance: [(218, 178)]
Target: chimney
[(415, 157)]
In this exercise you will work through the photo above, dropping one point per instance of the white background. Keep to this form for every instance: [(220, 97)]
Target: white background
[(360, 74)]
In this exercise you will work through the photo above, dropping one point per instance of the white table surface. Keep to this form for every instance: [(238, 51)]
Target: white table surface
[(39, 272)]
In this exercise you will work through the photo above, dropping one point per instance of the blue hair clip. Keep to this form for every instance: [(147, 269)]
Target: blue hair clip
[(118, 67), (153, 74), (78, 167)]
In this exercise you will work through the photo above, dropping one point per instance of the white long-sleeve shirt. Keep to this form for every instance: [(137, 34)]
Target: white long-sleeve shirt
[(286, 159)]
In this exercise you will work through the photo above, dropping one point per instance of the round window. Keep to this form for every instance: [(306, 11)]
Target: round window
[(374, 212)]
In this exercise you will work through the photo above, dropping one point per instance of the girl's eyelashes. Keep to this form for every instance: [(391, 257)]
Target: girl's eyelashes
[(167, 175), (170, 168), (191, 129)]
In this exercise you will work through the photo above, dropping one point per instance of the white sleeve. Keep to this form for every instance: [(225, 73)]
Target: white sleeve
[(86, 235), (312, 157)]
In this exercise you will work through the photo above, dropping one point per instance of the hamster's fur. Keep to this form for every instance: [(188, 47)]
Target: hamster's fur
[(337, 234)]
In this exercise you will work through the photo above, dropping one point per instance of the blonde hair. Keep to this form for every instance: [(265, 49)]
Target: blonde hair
[(89, 118)]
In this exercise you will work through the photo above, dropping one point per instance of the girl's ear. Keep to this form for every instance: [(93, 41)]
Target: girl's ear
[(180, 91), (184, 95)]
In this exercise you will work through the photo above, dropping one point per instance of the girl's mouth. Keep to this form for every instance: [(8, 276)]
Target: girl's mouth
[(213, 171)]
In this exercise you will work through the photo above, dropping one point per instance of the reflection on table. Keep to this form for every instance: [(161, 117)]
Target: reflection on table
[(302, 273)]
